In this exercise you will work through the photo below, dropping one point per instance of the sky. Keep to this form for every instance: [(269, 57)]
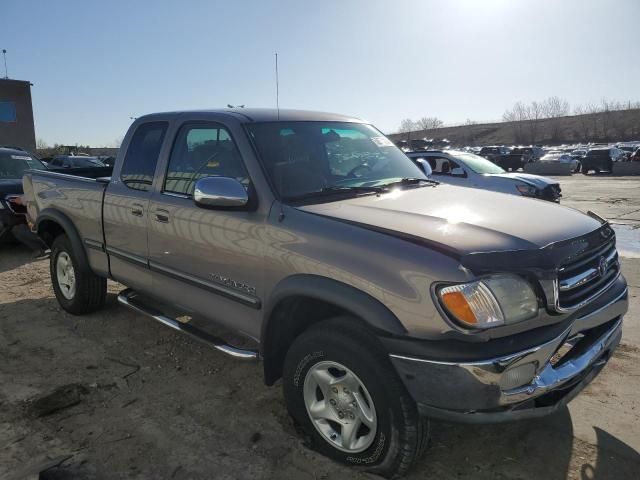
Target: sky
[(94, 64)]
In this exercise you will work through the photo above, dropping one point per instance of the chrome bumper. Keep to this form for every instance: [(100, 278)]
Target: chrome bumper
[(529, 383)]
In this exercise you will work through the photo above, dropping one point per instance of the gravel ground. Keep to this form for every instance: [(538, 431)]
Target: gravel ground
[(115, 395)]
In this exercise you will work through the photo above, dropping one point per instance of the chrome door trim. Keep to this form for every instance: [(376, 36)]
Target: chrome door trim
[(223, 290)]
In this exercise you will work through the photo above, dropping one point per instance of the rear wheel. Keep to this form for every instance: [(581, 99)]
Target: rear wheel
[(348, 402), (77, 289)]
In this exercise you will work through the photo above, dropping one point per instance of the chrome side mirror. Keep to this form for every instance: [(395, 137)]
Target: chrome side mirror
[(425, 166), (220, 192)]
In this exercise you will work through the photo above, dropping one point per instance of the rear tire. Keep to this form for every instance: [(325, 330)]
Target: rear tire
[(389, 433), (77, 289)]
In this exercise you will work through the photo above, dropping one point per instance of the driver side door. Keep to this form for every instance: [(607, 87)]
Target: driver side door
[(205, 260)]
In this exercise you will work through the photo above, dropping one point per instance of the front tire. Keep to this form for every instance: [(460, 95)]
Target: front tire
[(77, 289), (347, 400)]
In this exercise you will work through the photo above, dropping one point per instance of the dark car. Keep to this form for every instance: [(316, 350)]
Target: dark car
[(597, 159), (72, 161), (13, 163)]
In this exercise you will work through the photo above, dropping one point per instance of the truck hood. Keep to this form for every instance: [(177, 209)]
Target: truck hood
[(533, 180), (461, 220), (10, 186)]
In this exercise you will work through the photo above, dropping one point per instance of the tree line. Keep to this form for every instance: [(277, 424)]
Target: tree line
[(544, 119)]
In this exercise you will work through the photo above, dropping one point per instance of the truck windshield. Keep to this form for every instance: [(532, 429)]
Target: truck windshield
[(13, 165), (304, 158), (478, 164)]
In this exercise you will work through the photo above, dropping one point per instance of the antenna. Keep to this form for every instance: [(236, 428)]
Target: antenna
[(6, 72), (277, 88)]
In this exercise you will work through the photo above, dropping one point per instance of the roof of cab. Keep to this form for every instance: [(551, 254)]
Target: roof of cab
[(251, 115)]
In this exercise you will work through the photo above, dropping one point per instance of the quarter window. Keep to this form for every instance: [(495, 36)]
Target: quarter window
[(141, 159), (202, 150)]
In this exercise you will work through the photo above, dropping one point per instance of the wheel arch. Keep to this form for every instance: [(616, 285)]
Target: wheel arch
[(52, 223), (303, 300)]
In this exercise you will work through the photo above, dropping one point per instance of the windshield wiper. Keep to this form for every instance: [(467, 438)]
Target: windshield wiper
[(335, 189), (411, 181)]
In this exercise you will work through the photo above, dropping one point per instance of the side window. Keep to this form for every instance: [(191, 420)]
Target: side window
[(202, 150), (442, 166), (140, 161)]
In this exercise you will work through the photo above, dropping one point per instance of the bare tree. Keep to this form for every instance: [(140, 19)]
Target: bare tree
[(41, 144), (584, 124), (407, 125), (554, 108), (534, 114), (517, 114), (428, 123)]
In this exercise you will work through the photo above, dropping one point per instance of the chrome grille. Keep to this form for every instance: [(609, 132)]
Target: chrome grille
[(586, 276)]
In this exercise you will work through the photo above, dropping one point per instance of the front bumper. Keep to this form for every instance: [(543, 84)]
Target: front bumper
[(488, 391)]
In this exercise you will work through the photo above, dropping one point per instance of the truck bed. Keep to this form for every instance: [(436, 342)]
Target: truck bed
[(78, 198)]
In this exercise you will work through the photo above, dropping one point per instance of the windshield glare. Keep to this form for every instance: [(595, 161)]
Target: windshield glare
[(14, 165), (306, 157), (478, 164)]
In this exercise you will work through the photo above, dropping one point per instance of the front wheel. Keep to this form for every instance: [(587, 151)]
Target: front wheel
[(348, 401), (77, 289)]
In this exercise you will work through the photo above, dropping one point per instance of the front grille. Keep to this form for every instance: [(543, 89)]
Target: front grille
[(586, 276)]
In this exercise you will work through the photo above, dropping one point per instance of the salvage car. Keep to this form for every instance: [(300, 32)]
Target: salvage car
[(469, 170), (556, 156), (13, 164), (597, 159), (380, 297)]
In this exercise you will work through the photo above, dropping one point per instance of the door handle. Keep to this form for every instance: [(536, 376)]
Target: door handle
[(137, 210), (161, 216)]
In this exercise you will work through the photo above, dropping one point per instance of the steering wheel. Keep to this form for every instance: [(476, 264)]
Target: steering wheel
[(353, 173)]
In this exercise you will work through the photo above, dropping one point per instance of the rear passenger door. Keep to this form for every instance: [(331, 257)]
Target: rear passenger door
[(126, 207), (211, 257)]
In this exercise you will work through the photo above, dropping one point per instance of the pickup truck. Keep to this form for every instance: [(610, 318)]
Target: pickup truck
[(381, 298)]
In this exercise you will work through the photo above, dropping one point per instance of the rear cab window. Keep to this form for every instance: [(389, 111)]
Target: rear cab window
[(139, 165)]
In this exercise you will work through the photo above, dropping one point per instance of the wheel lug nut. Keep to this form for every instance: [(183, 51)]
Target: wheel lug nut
[(332, 402), (335, 390), (354, 404), (351, 416), (346, 390), (340, 415)]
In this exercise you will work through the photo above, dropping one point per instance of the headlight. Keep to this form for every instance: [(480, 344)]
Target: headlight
[(490, 302), (527, 190)]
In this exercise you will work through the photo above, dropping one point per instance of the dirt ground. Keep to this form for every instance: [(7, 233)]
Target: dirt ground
[(136, 400)]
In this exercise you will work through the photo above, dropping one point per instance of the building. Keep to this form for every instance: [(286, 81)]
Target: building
[(16, 114)]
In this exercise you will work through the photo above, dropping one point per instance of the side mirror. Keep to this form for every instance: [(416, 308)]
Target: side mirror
[(458, 172), (425, 166), (220, 192)]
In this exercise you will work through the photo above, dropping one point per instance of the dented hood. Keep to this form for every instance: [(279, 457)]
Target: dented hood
[(462, 220)]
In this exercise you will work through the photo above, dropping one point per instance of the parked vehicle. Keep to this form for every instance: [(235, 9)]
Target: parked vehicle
[(635, 156), (598, 159), (380, 297), (469, 170), (75, 161), (495, 154), (13, 164), (559, 157)]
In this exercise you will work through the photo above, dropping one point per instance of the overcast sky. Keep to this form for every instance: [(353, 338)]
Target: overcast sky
[(94, 64)]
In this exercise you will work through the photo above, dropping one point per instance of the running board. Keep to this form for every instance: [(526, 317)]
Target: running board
[(127, 298)]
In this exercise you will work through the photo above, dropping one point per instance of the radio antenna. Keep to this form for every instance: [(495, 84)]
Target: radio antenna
[(277, 89), (6, 72)]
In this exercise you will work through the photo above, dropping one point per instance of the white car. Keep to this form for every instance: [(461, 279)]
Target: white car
[(561, 157), (469, 170)]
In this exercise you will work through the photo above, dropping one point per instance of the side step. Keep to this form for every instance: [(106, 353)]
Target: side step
[(128, 299)]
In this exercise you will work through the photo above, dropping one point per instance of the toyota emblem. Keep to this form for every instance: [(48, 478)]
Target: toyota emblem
[(602, 266)]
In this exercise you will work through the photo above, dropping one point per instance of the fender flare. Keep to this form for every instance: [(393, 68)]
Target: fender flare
[(51, 215), (373, 312)]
